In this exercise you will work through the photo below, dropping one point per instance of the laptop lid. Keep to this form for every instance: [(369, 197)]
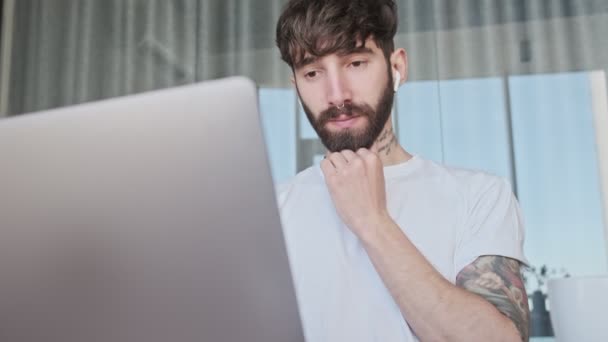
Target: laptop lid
[(144, 218)]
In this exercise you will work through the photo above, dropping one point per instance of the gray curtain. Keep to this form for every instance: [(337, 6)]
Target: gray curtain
[(62, 52), (70, 51)]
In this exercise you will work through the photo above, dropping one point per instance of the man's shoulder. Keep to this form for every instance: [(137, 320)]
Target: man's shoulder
[(466, 180)]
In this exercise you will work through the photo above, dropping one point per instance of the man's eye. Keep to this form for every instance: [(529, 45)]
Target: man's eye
[(358, 64), (310, 74)]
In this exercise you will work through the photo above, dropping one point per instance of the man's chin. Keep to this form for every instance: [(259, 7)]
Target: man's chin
[(345, 134), (352, 138), (346, 141)]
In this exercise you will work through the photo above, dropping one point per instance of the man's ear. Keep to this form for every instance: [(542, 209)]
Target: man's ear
[(399, 63)]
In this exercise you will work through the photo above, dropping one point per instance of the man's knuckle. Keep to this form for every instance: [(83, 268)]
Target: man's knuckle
[(357, 162), (371, 158)]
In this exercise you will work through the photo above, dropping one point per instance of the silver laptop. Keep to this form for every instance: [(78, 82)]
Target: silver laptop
[(145, 218)]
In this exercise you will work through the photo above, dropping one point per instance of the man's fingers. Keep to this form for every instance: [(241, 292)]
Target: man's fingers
[(349, 155), (327, 167), (337, 159), (368, 156), (363, 152)]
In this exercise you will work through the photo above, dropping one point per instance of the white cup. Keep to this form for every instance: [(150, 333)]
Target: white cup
[(578, 307)]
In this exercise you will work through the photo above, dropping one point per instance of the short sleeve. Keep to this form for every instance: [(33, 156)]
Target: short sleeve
[(493, 223)]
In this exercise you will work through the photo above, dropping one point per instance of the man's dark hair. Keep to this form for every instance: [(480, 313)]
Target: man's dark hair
[(322, 27)]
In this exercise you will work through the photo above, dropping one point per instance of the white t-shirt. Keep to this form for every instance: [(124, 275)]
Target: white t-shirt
[(452, 216)]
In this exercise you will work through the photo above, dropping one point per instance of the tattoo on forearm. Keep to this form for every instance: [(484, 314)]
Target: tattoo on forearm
[(498, 280)]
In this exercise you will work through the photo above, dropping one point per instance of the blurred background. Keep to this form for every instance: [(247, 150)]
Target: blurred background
[(516, 88)]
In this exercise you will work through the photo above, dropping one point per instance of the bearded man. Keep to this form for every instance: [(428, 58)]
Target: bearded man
[(385, 245)]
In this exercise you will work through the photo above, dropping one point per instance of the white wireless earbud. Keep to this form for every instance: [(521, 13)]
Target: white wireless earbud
[(397, 79)]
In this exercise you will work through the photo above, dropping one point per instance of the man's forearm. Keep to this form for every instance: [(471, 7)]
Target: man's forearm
[(435, 309)]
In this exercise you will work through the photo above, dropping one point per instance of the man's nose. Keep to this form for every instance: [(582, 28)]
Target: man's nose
[(338, 90)]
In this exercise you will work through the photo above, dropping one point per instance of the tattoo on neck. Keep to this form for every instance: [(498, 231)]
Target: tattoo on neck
[(387, 147), (384, 135)]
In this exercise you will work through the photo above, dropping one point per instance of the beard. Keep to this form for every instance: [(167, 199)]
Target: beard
[(353, 138)]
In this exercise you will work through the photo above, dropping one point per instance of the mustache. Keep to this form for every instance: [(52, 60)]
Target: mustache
[(349, 109)]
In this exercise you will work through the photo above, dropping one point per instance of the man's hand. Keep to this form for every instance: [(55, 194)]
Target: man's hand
[(356, 185)]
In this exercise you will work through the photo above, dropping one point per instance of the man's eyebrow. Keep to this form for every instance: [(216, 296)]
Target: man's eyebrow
[(307, 61)]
